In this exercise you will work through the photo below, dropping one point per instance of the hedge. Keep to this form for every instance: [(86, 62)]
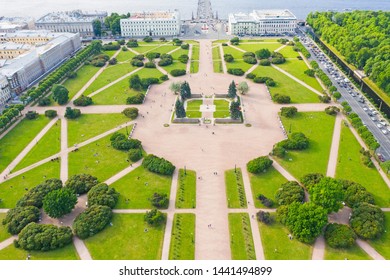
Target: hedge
[(158, 165), (92, 221), (104, 195)]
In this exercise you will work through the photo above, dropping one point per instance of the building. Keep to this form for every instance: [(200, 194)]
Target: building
[(158, 23), (28, 62), (13, 24), (5, 91), (71, 21), (263, 22)]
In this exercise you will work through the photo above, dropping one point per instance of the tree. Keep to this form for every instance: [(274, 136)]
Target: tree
[(102, 194), (179, 109), (97, 27), (386, 166), (185, 91), (235, 110), (311, 179), (263, 54), (281, 99), (228, 57), (81, 183), (290, 192), (72, 113), (175, 87), (31, 115), (44, 101), (368, 221), (264, 217), (159, 200), (92, 221), (305, 221), (158, 165), (243, 88), (51, 113), (83, 101), (288, 112), (339, 236), (17, 218), (135, 82), (259, 165), (134, 155), (354, 194), (35, 196), (131, 112), (59, 202), (136, 99), (327, 193), (232, 92), (178, 72), (60, 94), (154, 217)]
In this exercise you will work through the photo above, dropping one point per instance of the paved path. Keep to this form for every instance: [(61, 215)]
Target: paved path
[(64, 150), (369, 250), (283, 171), (188, 68), (334, 150), (280, 48), (319, 248), (7, 242), (82, 250)]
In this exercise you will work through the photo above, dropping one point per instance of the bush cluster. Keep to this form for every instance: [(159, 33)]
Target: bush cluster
[(250, 76), (91, 221), (277, 58), (311, 179), (236, 71), (102, 194), (137, 63), (83, 101), (185, 46), (228, 57), (264, 217), (364, 132), (131, 112), (72, 113), (166, 59), (51, 113), (59, 202), (354, 194), (120, 141), (35, 196), (281, 99), (178, 72), (184, 58), (259, 165), (98, 60), (267, 202), (31, 115), (265, 62), (263, 54), (44, 101), (81, 183), (367, 221), (132, 44), (135, 155), (136, 99), (111, 47), (152, 55), (159, 200), (158, 165), (154, 217), (249, 57), (150, 64), (288, 112), (19, 217), (261, 80), (339, 236), (324, 99), (290, 192)]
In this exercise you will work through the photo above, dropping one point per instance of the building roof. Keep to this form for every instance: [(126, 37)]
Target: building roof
[(262, 15), (153, 15), (71, 16), (14, 46)]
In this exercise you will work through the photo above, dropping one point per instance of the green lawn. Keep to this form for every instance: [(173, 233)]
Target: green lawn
[(138, 186), (235, 191), (110, 74), (318, 127), (84, 74), (216, 53), (176, 54), (194, 68), (186, 189), (255, 47), (221, 105), (125, 56), (267, 184), (269, 40), (221, 114), (217, 66), (239, 63), (175, 65), (233, 51), (130, 238), (49, 145), (241, 240), (297, 68), (183, 237), (66, 253), (195, 52), (382, 244), (194, 104), (287, 86), (91, 125), (353, 253), (288, 52), (193, 114), (278, 246), (110, 53), (98, 159), (18, 138), (351, 167), (3, 230), (12, 190), (166, 49)]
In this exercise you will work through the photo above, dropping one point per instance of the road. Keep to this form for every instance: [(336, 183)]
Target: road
[(353, 101)]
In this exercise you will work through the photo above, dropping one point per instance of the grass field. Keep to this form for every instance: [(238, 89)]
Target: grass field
[(239, 63), (195, 52), (217, 66), (382, 244), (130, 238), (166, 49), (110, 53), (287, 86), (241, 240), (235, 191), (233, 51), (84, 74), (318, 127), (12, 190), (98, 159), (3, 230), (177, 53), (186, 189), (175, 65), (255, 47), (193, 114), (288, 52), (194, 68), (18, 138), (66, 253), (125, 56), (91, 125), (49, 145), (351, 167), (194, 105), (138, 186), (182, 245), (277, 245), (353, 253), (216, 53), (267, 184), (222, 108)]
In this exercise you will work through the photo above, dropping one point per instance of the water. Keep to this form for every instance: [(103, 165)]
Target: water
[(37, 8)]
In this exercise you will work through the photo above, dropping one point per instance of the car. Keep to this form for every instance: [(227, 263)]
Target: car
[(379, 125), (382, 122), (373, 118), (381, 158), (385, 131), (365, 109)]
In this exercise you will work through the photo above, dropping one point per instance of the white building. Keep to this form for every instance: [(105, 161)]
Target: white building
[(72, 21), (13, 24), (263, 22), (158, 23), (5, 91)]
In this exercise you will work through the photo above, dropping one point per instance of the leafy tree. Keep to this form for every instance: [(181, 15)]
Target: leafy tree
[(265, 200), (81, 183), (263, 54), (72, 113), (259, 165), (135, 82), (97, 27), (235, 110), (175, 87), (150, 65), (290, 192), (183, 58), (327, 193), (368, 221), (147, 39), (83, 101), (43, 237), (178, 72), (92, 220), (185, 90), (264, 217), (235, 40), (136, 99), (131, 112), (59, 202), (17, 218), (281, 99), (102, 194), (113, 61), (325, 99), (288, 112), (164, 78), (135, 155), (305, 221), (236, 71), (232, 91), (339, 236), (265, 62), (158, 165), (296, 141), (44, 101), (309, 72), (311, 179), (121, 142), (179, 109), (35, 196), (60, 94), (228, 57), (51, 113), (31, 115), (154, 217), (243, 88), (160, 200)]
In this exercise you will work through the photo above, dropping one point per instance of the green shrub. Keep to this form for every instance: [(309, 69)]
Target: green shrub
[(131, 112), (158, 165), (132, 44), (311, 179), (309, 72), (250, 60), (160, 200), (332, 110), (44, 101), (264, 217), (263, 54), (339, 236), (185, 46), (281, 99), (137, 63), (324, 98), (236, 71), (296, 141), (290, 192), (19, 217), (51, 113), (102, 194), (147, 39), (265, 62), (35, 196), (367, 221), (83, 101), (184, 58), (228, 57), (119, 141), (135, 155), (150, 65), (154, 217), (81, 183), (72, 113), (59, 202), (288, 112), (93, 220), (164, 78), (354, 194), (139, 57), (259, 165), (265, 200), (250, 76), (136, 99), (31, 115), (270, 83), (178, 72), (261, 80)]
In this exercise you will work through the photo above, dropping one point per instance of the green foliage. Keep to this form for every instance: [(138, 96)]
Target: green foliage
[(160, 200), (72, 113), (59, 202), (31, 115), (81, 183), (258, 165), (232, 91), (154, 217), (148, 39), (327, 193), (250, 76), (235, 40), (60, 94), (366, 135), (132, 44), (179, 109), (277, 58), (267, 202), (235, 110), (263, 54), (228, 57), (136, 99), (131, 112), (158, 165), (166, 59), (111, 47), (264, 217), (265, 62), (136, 63), (83, 101), (150, 64), (44, 101), (183, 58), (92, 221), (135, 82), (103, 195), (113, 61), (305, 221), (302, 49), (339, 236), (121, 142), (134, 155), (281, 99), (325, 99), (250, 59), (51, 113), (185, 90), (164, 78), (278, 151), (243, 88), (290, 192), (178, 72), (112, 22), (41, 237), (35, 196), (261, 80), (17, 218), (296, 141), (185, 46), (288, 112), (368, 221), (310, 72), (337, 95), (175, 87), (97, 27), (153, 55), (236, 71), (311, 179)]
